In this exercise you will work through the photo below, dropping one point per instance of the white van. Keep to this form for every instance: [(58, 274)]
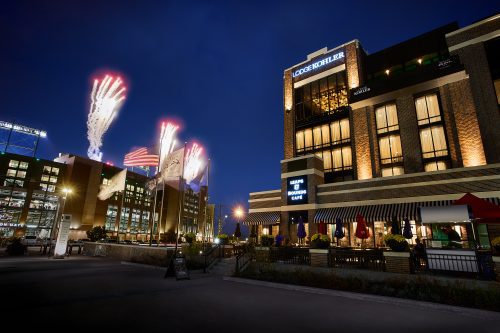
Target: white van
[(29, 240)]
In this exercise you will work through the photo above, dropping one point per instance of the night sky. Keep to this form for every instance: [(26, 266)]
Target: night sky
[(214, 66)]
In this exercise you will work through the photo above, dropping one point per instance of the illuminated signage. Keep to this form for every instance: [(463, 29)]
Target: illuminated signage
[(22, 129), (330, 60), (361, 90), (296, 190)]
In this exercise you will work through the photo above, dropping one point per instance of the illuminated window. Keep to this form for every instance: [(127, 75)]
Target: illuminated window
[(23, 165), (432, 134), (13, 164), (111, 217), (324, 96)]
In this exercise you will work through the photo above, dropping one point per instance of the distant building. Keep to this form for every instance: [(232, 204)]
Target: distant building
[(383, 134), (130, 217), (30, 195)]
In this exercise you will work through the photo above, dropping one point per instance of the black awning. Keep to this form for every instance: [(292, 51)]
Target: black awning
[(371, 213), (263, 218)]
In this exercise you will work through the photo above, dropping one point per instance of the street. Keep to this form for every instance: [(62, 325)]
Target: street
[(85, 293)]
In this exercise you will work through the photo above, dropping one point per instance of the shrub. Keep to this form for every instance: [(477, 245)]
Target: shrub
[(96, 233), (223, 239), (396, 242), (16, 247), (190, 237), (320, 241), (266, 240), (495, 242)]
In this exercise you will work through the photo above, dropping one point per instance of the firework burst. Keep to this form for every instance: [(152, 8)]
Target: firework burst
[(167, 141), (192, 163), (106, 98)]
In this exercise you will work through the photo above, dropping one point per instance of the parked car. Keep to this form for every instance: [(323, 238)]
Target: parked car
[(29, 240)]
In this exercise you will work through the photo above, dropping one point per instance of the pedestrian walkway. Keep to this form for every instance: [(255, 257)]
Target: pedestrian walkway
[(224, 267)]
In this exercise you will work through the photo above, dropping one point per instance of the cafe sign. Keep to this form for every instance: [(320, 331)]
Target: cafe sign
[(296, 190)]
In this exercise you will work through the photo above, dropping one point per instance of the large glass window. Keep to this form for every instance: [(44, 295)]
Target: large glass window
[(134, 220), (389, 141), (432, 135), (324, 96), (124, 219), (111, 217), (144, 228)]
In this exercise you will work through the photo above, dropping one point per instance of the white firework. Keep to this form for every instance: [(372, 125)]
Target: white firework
[(167, 141), (192, 163), (106, 98)]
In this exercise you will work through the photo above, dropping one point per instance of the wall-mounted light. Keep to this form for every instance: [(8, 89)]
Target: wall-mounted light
[(387, 72), (419, 61)]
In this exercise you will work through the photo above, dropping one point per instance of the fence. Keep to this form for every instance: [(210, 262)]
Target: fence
[(372, 259), (290, 255)]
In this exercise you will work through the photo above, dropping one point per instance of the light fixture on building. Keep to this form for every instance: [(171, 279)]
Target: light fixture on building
[(387, 72), (419, 61)]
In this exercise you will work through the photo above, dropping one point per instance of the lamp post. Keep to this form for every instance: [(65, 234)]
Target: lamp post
[(53, 231), (238, 214)]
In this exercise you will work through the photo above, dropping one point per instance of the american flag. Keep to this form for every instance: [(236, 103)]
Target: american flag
[(142, 156)]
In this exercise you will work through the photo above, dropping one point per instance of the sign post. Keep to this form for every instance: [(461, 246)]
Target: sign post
[(62, 237)]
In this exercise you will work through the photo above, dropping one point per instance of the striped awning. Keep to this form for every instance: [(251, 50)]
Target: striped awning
[(371, 213), (263, 218)]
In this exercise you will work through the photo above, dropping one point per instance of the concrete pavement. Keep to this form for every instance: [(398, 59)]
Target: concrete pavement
[(87, 293)]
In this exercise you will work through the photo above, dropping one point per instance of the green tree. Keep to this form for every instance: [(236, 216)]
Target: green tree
[(96, 233)]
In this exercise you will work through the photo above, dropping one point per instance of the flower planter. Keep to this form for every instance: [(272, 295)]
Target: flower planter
[(319, 257), (262, 253), (397, 262), (496, 267)]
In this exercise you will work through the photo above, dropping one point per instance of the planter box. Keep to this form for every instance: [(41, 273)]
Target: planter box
[(262, 253), (319, 257), (496, 266), (397, 262)]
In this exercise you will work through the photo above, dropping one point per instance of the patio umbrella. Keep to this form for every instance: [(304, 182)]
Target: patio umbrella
[(339, 229), (362, 231), (322, 228), (301, 231), (395, 226), (407, 229)]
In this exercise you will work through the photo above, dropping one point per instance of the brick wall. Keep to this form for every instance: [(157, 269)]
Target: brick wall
[(361, 143), (289, 115)]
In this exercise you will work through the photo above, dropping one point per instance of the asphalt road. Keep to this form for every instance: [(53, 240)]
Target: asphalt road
[(84, 293)]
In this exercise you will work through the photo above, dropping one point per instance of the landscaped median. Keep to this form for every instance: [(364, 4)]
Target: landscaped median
[(469, 293)]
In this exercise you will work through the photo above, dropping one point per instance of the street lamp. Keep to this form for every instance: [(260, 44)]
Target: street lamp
[(66, 191), (238, 214)]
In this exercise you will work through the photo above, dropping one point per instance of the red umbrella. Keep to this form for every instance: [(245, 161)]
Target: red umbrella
[(322, 228), (362, 231)]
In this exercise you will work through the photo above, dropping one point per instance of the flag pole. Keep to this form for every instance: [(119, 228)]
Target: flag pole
[(206, 203), (170, 264), (154, 212), (161, 212), (120, 219)]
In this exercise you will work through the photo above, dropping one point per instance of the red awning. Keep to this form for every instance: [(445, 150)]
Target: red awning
[(482, 210)]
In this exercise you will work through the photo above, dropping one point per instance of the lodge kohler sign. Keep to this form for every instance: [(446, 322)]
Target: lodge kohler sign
[(316, 65), (296, 190)]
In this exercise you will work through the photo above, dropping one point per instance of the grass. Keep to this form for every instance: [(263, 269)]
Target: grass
[(420, 288)]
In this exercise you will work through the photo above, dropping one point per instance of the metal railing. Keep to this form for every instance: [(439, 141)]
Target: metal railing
[(290, 255), (211, 252), (372, 259), (244, 255)]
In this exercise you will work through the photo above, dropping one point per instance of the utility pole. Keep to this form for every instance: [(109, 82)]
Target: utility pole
[(219, 225)]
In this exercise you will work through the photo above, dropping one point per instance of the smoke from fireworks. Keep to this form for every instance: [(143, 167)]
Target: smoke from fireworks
[(167, 141), (106, 98), (192, 163)]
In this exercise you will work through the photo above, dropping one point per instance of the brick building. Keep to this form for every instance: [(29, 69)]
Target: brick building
[(383, 134)]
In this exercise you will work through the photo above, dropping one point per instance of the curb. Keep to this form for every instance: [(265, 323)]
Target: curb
[(470, 312)]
